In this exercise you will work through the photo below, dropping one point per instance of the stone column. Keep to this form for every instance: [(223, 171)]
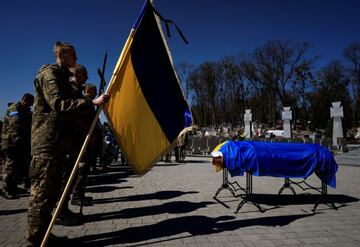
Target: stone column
[(336, 112), (287, 117), (247, 120)]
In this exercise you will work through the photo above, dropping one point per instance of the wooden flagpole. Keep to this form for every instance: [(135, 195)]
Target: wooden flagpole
[(87, 139), (71, 178)]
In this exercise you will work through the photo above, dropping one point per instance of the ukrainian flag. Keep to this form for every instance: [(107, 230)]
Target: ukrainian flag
[(147, 109)]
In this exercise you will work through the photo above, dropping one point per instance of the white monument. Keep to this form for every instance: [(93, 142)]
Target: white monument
[(247, 120), (336, 112), (287, 117)]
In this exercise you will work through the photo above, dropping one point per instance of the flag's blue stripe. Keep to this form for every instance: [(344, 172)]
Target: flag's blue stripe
[(157, 78)]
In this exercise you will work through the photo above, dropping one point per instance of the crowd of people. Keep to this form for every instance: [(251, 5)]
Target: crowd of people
[(179, 150), (40, 147)]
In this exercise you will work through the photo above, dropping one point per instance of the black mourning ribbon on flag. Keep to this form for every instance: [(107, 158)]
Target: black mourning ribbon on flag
[(167, 21)]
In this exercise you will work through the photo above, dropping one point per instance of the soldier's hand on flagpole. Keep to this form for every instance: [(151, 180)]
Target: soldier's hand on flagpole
[(101, 100)]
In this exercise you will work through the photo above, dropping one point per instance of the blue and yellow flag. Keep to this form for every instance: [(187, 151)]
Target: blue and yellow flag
[(147, 109)]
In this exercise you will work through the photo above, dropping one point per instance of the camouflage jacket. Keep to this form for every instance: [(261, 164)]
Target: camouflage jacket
[(84, 116), (54, 110), (16, 128), (77, 90), (83, 121)]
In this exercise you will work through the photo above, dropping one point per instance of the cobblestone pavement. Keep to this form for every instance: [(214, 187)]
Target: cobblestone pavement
[(173, 205)]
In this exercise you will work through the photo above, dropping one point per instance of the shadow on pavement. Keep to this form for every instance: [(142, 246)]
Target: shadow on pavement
[(113, 179), (194, 225), (116, 176), (284, 199), (160, 195), (104, 189), (277, 201), (15, 211), (209, 161), (174, 163), (170, 164), (108, 178), (178, 207)]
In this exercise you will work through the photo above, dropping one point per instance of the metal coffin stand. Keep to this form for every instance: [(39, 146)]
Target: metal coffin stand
[(248, 191), (323, 190), (227, 185), (234, 186)]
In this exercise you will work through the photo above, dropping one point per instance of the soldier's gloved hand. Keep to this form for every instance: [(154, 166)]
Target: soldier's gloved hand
[(101, 100)]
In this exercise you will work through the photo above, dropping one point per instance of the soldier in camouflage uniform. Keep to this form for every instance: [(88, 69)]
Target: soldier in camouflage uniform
[(97, 137), (85, 116), (90, 156), (54, 109), (79, 76), (16, 144), (78, 80)]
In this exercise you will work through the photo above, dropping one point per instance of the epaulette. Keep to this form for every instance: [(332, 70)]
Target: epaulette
[(46, 67)]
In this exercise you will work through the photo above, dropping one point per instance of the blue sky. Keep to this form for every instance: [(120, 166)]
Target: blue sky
[(213, 28)]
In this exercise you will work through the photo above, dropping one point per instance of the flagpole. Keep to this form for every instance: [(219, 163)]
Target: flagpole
[(86, 142), (163, 37), (71, 178)]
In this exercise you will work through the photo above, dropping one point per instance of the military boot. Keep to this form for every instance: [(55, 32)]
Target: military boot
[(9, 195), (69, 218), (85, 201)]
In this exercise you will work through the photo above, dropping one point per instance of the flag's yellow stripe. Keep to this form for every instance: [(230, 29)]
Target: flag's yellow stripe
[(218, 167), (136, 128), (217, 148), (120, 61)]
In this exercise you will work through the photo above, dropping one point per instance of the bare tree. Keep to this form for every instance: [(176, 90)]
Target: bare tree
[(204, 82), (276, 74), (331, 85), (233, 89), (352, 55), (184, 70), (301, 86), (275, 66), (210, 77)]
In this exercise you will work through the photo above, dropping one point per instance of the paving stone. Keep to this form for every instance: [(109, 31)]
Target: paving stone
[(173, 205)]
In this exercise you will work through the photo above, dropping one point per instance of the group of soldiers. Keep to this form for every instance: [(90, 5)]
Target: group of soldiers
[(64, 108), (179, 149)]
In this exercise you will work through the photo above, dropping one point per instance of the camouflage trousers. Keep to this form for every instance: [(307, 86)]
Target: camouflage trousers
[(14, 165), (70, 162), (89, 160), (81, 181), (46, 176)]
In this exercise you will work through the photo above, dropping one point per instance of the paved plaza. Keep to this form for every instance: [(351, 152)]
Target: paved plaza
[(173, 205)]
